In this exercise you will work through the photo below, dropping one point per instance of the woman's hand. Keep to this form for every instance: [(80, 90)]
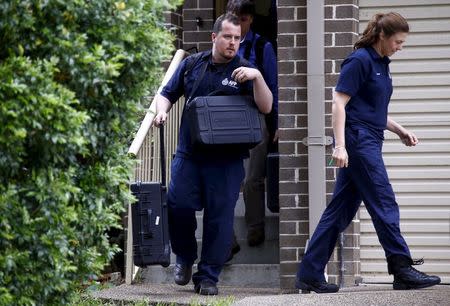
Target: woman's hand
[(340, 157), (408, 138)]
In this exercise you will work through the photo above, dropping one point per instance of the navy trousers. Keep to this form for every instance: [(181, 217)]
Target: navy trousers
[(365, 179), (214, 187)]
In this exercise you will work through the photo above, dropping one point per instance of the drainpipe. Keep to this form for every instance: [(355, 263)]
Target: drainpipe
[(316, 140)]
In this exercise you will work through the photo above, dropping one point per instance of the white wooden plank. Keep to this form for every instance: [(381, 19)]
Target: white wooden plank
[(426, 107), (417, 160), (421, 92), (416, 65), (430, 242), (420, 26), (413, 227), (426, 254), (443, 215), (419, 173), (427, 267), (421, 148), (427, 53), (414, 118), (423, 200), (427, 39), (421, 79), (424, 133), (437, 11), (364, 4), (421, 186)]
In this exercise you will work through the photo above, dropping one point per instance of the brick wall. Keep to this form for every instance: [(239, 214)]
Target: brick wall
[(341, 32), (195, 35), (293, 128), (341, 22), (174, 22)]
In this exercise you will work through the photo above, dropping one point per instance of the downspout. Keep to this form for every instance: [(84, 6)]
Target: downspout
[(316, 140)]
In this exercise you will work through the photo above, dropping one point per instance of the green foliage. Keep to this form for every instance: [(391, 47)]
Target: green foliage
[(72, 74)]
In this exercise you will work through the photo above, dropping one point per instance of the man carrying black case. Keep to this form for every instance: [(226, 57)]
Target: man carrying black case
[(204, 178)]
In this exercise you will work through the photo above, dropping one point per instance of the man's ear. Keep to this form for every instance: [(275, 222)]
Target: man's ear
[(213, 37)]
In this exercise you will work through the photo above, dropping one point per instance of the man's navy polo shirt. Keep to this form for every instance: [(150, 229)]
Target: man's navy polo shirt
[(217, 79), (365, 77)]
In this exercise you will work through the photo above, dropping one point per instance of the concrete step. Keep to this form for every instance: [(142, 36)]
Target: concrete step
[(251, 267), (266, 253), (240, 227), (249, 275)]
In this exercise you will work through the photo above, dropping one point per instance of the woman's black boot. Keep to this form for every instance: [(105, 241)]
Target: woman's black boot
[(406, 277)]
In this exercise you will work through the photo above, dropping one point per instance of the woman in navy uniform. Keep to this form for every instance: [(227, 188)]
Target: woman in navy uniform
[(207, 179), (359, 112)]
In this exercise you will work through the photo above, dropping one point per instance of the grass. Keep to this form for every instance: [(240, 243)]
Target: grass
[(85, 300)]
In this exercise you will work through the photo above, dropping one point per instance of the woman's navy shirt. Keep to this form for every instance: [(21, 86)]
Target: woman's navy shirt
[(217, 79), (365, 77)]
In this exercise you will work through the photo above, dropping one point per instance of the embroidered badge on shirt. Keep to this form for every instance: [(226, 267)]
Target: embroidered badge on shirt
[(231, 83)]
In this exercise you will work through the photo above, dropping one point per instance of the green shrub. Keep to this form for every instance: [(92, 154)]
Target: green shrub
[(72, 74)]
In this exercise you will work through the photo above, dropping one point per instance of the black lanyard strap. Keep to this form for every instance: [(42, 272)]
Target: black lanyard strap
[(198, 80)]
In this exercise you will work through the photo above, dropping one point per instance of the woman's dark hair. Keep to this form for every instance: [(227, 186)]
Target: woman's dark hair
[(228, 17), (390, 24), (241, 7)]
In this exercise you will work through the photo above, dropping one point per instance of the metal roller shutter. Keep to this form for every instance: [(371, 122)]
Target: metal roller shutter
[(420, 176)]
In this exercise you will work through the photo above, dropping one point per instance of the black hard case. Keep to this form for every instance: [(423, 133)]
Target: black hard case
[(222, 120), (151, 244), (272, 182)]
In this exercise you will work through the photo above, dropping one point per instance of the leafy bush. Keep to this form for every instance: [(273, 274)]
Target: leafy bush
[(72, 74)]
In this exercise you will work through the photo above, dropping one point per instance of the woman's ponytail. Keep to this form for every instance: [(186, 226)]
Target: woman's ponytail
[(389, 24)]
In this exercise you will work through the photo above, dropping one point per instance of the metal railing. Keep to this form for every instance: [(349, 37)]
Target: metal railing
[(145, 148)]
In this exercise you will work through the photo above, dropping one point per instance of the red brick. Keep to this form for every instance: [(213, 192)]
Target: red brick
[(285, 13), (293, 80), (286, 148), (282, 3), (301, 40), (286, 94), (298, 26), (292, 53), (341, 26), (346, 11), (286, 68)]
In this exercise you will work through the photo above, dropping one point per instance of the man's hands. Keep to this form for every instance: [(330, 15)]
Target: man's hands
[(243, 74), (160, 118)]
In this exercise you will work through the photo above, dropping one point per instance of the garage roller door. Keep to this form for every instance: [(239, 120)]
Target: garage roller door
[(420, 176)]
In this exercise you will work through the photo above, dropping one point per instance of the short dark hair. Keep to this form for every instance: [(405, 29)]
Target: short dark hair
[(241, 7), (228, 17)]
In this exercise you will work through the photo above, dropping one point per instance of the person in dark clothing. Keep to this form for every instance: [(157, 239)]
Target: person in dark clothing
[(260, 52), (360, 116), (201, 179)]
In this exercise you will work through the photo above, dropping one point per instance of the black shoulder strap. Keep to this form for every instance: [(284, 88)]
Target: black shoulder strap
[(259, 52), (248, 48), (191, 61), (198, 79)]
